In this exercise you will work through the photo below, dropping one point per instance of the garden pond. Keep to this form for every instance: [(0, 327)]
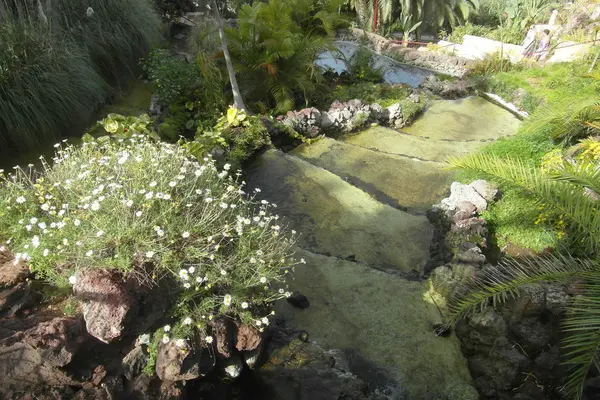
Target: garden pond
[(394, 72)]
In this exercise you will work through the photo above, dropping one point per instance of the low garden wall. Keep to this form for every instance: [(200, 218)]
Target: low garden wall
[(436, 61)]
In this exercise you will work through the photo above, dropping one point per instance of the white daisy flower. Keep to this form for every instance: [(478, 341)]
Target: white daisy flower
[(167, 328), (187, 321), (227, 300), (208, 339), (20, 200), (185, 235), (244, 305), (72, 279)]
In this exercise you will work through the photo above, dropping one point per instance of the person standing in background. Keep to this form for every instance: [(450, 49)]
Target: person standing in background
[(544, 46)]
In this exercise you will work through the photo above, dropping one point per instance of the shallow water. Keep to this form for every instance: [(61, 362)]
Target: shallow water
[(359, 203), (394, 72), (469, 119)]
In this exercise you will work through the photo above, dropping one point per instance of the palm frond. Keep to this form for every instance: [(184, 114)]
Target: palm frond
[(496, 284), (582, 343), (567, 199)]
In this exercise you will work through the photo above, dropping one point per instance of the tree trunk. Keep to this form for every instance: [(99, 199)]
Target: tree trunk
[(375, 14), (361, 12), (237, 96)]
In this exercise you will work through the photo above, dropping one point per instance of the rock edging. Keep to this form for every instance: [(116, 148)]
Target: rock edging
[(345, 117), (512, 350)]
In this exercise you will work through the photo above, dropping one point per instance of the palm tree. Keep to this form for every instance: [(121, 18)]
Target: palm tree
[(573, 192), (237, 96), (438, 12), (274, 48)]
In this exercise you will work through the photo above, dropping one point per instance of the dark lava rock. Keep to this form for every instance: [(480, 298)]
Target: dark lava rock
[(16, 298), (134, 362), (113, 305), (298, 300), (247, 338)]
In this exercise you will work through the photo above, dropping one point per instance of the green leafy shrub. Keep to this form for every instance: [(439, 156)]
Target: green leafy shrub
[(458, 32), (59, 59), (149, 210), (382, 94), (274, 48), (411, 110), (173, 77), (492, 64), (361, 66), (236, 133)]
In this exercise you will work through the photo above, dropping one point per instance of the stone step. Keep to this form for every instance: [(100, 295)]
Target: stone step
[(409, 184), (384, 319), (390, 141), (468, 119), (337, 218)]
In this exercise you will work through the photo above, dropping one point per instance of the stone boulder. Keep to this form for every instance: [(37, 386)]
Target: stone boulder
[(56, 341), (303, 371), (463, 193), (182, 361), (11, 272), (134, 362), (30, 359), (485, 189), (113, 305), (107, 302), (16, 298), (246, 337)]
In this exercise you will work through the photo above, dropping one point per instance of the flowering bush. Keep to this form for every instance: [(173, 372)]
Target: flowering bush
[(150, 210)]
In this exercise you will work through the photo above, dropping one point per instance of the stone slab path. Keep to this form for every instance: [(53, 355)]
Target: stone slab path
[(359, 203)]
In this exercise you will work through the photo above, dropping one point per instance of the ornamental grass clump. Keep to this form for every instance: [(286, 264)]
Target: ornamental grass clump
[(151, 211)]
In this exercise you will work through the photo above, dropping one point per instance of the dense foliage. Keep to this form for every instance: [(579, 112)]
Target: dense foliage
[(274, 47), (59, 60)]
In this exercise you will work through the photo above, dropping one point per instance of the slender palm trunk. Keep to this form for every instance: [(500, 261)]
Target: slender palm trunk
[(238, 101), (361, 12), (375, 13)]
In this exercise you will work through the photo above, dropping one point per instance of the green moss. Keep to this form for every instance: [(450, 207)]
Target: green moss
[(411, 110)]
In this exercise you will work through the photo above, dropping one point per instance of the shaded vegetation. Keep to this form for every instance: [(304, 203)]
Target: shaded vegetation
[(59, 60)]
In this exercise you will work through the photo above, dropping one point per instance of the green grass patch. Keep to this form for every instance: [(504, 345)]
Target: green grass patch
[(548, 85), (513, 220)]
